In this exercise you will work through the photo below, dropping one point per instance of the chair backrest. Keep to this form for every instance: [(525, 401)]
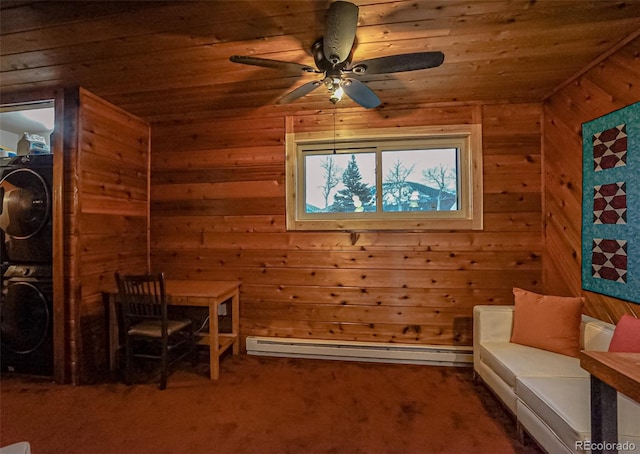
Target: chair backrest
[(142, 296)]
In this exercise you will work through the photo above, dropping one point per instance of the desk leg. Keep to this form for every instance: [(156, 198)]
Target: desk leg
[(604, 417), (214, 357), (235, 322)]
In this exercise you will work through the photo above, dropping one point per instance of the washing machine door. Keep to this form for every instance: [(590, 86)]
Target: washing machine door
[(25, 318), (25, 206)]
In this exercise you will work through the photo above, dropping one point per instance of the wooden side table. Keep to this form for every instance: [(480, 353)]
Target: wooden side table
[(610, 373)]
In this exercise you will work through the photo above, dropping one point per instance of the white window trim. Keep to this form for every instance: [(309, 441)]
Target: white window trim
[(468, 218)]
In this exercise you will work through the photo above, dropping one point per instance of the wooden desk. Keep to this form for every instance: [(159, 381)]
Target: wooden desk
[(210, 294), (610, 373)]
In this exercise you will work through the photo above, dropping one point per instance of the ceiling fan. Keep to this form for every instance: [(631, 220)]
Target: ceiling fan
[(333, 54)]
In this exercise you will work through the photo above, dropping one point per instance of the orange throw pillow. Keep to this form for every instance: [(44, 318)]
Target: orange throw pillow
[(626, 336), (548, 322)]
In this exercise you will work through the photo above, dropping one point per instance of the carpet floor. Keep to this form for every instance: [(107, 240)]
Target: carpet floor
[(265, 405)]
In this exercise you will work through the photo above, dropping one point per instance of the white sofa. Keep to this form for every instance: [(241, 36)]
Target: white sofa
[(548, 393)]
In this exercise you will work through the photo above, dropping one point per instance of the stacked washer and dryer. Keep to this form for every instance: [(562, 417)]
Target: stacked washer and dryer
[(26, 301)]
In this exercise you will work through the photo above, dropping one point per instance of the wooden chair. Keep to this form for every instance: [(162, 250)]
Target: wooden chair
[(148, 330)]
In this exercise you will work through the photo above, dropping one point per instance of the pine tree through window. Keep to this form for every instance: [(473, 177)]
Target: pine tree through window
[(386, 180)]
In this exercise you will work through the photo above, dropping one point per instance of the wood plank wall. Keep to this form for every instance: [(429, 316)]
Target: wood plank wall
[(608, 86), (107, 211), (218, 212)]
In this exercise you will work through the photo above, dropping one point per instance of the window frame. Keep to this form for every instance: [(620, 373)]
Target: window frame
[(468, 138)]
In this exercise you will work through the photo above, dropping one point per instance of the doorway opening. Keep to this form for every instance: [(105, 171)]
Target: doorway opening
[(26, 237)]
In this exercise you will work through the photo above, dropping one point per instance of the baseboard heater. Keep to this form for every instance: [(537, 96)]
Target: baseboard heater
[(360, 351)]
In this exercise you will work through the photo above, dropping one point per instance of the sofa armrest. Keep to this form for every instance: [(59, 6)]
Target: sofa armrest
[(492, 324), (595, 334)]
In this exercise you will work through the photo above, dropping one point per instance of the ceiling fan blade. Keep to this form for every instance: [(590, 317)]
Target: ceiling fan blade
[(274, 64), (342, 21), (299, 92), (399, 63), (360, 93)]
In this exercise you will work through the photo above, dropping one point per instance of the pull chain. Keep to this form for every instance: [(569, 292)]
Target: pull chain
[(334, 130)]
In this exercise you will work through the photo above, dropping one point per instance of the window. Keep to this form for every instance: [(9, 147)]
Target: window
[(400, 179)]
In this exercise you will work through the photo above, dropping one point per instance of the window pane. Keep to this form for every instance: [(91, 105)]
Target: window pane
[(420, 180), (340, 183)]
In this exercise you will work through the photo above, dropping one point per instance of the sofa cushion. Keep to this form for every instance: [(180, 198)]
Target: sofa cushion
[(509, 360), (564, 404), (548, 322), (626, 336), (538, 429)]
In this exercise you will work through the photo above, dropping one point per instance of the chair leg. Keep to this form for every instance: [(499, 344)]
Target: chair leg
[(164, 366), (128, 361), (194, 355), (194, 349)]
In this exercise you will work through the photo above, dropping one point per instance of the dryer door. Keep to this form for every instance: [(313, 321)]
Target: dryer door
[(25, 204), (25, 318)]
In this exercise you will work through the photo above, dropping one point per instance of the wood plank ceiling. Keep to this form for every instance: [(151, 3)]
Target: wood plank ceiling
[(170, 60)]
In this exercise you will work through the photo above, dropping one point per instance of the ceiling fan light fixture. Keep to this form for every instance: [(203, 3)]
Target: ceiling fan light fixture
[(336, 94), (334, 85)]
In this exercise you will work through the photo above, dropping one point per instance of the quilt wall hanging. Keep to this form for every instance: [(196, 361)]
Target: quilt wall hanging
[(611, 204)]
